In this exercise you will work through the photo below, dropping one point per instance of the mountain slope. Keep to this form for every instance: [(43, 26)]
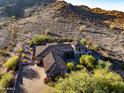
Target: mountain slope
[(66, 20), (9, 8)]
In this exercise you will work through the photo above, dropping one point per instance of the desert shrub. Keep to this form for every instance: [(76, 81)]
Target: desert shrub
[(70, 65), (83, 41), (82, 28), (86, 42), (24, 55), (94, 47), (30, 43), (13, 18), (11, 63), (24, 60), (4, 52), (90, 45), (37, 39), (88, 60), (102, 81), (21, 50), (103, 64), (4, 80), (79, 66)]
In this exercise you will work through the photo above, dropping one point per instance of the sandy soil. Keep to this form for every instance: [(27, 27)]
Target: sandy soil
[(33, 80)]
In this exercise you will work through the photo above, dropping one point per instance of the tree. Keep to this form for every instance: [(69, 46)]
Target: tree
[(102, 81), (87, 60)]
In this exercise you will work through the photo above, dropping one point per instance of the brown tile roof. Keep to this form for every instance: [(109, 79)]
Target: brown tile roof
[(64, 47), (48, 61), (53, 62), (41, 50), (51, 55)]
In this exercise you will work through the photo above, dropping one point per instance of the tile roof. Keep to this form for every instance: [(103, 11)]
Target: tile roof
[(51, 55), (48, 61)]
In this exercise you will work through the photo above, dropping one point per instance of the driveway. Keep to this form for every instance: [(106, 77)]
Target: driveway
[(32, 81)]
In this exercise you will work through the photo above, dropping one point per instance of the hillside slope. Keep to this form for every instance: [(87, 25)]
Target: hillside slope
[(66, 21)]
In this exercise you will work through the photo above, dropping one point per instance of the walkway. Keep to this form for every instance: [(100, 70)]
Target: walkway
[(33, 80)]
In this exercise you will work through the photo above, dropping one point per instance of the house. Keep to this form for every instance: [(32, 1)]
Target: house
[(80, 49), (52, 56)]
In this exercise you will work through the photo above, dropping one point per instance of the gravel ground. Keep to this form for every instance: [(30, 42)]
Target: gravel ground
[(33, 80)]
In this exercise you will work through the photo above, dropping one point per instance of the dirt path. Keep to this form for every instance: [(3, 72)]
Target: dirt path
[(33, 80)]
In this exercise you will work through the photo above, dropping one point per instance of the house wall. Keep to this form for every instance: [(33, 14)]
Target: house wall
[(56, 73), (68, 55), (56, 70), (39, 61), (81, 50)]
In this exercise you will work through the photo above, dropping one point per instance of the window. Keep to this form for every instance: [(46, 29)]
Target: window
[(69, 55)]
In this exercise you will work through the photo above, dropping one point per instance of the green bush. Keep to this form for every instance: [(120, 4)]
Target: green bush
[(5, 79), (11, 63), (24, 55), (37, 39), (79, 67), (102, 81), (83, 41), (103, 64), (70, 65), (21, 50), (94, 47), (90, 45), (88, 60), (24, 60), (30, 43)]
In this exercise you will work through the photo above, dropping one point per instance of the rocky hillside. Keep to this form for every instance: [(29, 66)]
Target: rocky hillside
[(9, 8), (64, 20)]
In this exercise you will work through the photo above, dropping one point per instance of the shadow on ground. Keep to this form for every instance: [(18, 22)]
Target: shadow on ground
[(30, 73), (22, 90)]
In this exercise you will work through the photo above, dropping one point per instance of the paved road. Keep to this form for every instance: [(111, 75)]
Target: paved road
[(32, 80)]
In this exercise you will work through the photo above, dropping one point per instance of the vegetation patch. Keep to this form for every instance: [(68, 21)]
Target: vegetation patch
[(103, 64), (39, 39), (21, 50), (4, 53), (4, 81), (88, 60), (24, 55), (102, 81), (90, 45), (70, 65), (11, 62)]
